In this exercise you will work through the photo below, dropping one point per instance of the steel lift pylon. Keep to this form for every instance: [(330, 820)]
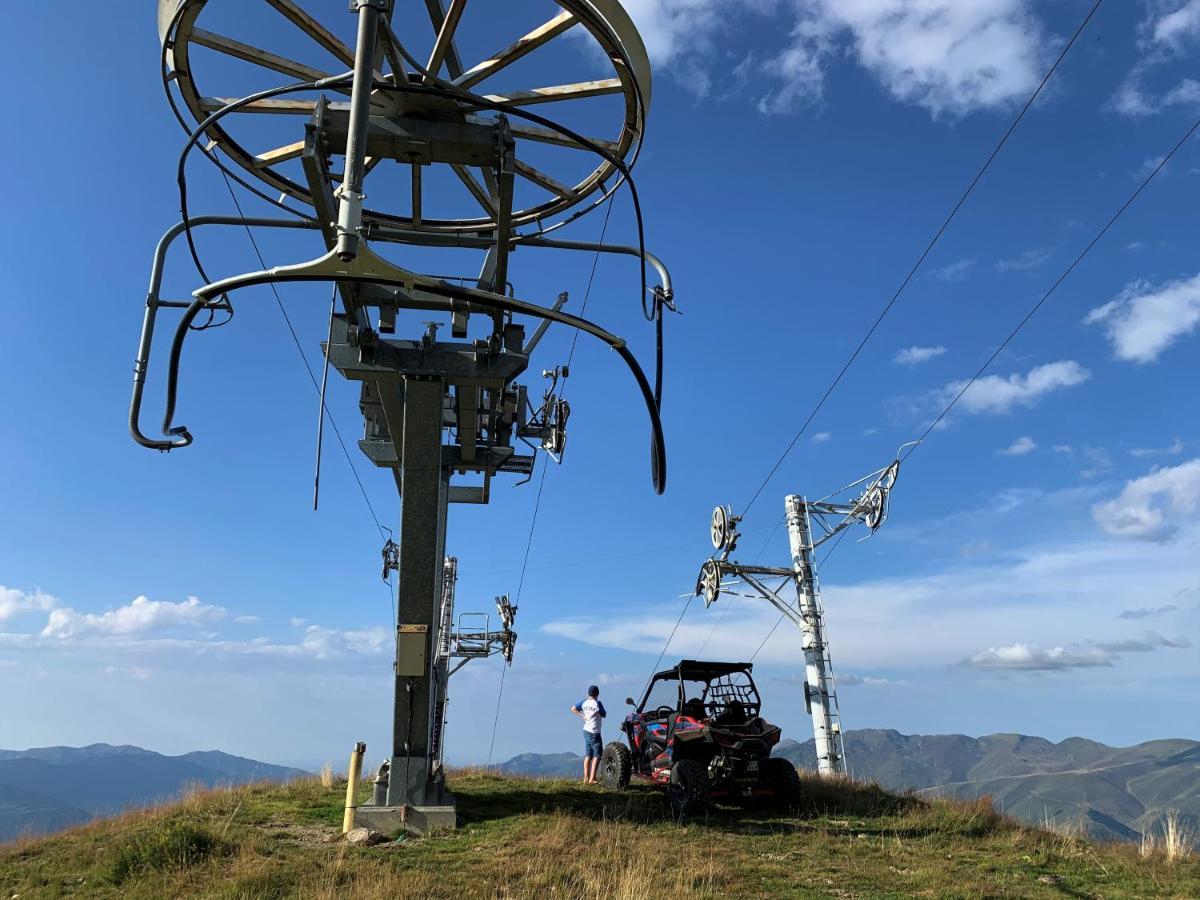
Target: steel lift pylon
[(435, 411), (720, 575)]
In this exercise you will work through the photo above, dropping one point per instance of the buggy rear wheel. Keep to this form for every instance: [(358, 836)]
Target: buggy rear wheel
[(689, 787), (616, 765), (784, 781)]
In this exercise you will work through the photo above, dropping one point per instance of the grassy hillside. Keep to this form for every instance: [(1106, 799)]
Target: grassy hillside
[(528, 838)]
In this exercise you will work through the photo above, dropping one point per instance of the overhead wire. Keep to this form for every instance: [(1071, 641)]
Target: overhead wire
[(383, 531), (537, 504), (779, 621), (1054, 287), (924, 254), (1079, 258)]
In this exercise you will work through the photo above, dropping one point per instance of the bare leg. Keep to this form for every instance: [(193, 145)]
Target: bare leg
[(587, 762)]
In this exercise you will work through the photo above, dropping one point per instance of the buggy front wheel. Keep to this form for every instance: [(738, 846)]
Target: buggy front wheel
[(616, 765)]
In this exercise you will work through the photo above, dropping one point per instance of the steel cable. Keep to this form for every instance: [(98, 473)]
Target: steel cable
[(924, 254)]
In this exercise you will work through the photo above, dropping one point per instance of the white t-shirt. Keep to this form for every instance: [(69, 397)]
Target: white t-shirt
[(593, 712)]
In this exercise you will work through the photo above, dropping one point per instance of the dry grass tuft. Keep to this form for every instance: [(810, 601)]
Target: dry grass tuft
[(1179, 840), (327, 775)]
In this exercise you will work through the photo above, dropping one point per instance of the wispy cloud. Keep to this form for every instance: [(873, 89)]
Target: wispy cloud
[(822, 437), (912, 356), (141, 616), (14, 602), (1170, 31), (1023, 657), (1154, 506), (1099, 462), (1144, 320), (994, 394), (1174, 449), (1026, 261), (955, 271), (1020, 447)]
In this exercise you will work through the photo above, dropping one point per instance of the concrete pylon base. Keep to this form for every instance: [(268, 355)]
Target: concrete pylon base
[(411, 819)]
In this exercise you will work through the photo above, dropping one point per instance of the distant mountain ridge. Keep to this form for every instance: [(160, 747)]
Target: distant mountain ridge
[(1112, 792), (45, 789)]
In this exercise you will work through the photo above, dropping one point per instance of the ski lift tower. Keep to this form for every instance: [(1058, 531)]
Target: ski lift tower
[(411, 146), (719, 573)]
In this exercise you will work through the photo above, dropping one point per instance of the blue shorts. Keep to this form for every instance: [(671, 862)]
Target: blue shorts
[(592, 745)]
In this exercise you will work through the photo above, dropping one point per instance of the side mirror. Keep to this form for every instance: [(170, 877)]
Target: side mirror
[(629, 701)]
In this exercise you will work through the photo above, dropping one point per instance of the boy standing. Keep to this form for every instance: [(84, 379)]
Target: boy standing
[(591, 711)]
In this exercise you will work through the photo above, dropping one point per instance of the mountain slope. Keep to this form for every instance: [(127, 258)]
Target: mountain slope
[(1111, 792), (47, 788)]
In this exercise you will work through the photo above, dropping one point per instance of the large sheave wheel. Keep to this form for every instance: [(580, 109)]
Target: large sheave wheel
[(689, 787), (590, 46), (616, 765)]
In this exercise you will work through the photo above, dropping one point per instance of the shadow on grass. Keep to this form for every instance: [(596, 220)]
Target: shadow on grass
[(485, 796)]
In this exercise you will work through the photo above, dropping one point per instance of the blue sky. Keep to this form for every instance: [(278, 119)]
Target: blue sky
[(1039, 572)]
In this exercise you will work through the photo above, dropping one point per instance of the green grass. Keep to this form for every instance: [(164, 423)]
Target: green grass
[(526, 838)]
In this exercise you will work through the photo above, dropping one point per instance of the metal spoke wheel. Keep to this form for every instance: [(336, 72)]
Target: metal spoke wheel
[(212, 54), (719, 528), (709, 583), (873, 516)]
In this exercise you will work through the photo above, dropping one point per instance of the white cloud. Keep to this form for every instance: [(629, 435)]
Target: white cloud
[(999, 394), (822, 437), (1144, 320), (1020, 447), (911, 356), (1166, 35), (297, 622), (950, 57), (14, 602), (328, 643), (1179, 24), (1031, 658), (1154, 506), (671, 28), (1026, 261), (851, 680), (247, 620), (1175, 448), (1063, 449), (955, 271), (142, 616)]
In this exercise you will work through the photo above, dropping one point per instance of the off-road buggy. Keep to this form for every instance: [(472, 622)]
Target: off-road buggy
[(698, 732)]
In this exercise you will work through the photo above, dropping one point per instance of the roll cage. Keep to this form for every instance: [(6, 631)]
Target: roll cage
[(721, 689)]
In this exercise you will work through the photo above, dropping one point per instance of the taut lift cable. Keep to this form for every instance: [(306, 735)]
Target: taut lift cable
[(925, 253)]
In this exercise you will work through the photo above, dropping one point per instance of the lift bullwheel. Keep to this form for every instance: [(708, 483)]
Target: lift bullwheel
[(553, 173)]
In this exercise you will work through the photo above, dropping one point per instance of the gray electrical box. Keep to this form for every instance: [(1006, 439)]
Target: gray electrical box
[(410, 650)]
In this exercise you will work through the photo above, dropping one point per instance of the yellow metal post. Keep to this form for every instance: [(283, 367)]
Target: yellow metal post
[(352, 778)]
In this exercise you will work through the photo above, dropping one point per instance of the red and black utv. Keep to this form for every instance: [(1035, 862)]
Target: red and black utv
[(698, 732)]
